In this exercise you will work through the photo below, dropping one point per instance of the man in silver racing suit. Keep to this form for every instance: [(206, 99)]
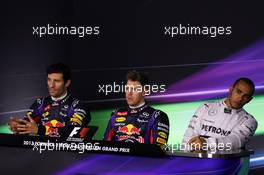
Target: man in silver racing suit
[(225, 123)]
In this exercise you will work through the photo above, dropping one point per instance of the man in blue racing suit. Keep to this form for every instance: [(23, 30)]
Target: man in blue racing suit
[(52, 115), (137, 122)]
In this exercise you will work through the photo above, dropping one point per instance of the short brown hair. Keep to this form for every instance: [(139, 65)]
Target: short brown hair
[(138, 76)]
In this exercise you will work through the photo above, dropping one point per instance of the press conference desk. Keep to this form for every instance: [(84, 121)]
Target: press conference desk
[(114, 158)]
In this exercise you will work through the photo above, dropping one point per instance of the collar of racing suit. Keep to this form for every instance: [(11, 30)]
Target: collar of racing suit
[(59, 98), (138, 108), (232, 111)]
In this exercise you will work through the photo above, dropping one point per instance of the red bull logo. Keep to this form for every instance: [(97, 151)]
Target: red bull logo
[(54, 123), (52, 132), (52, 127), (129, 130)]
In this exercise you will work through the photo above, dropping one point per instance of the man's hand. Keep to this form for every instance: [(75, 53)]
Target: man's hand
[(27, 127), (13, 122), (197, 142)]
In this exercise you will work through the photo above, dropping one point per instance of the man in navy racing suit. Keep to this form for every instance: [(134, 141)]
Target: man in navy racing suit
[(137, 122), (52, 115)]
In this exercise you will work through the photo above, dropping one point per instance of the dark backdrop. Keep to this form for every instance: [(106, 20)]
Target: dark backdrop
[(131, 36)]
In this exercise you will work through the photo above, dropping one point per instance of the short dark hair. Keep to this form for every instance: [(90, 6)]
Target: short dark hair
[(141, 77), (60, 68), (247, 81)]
